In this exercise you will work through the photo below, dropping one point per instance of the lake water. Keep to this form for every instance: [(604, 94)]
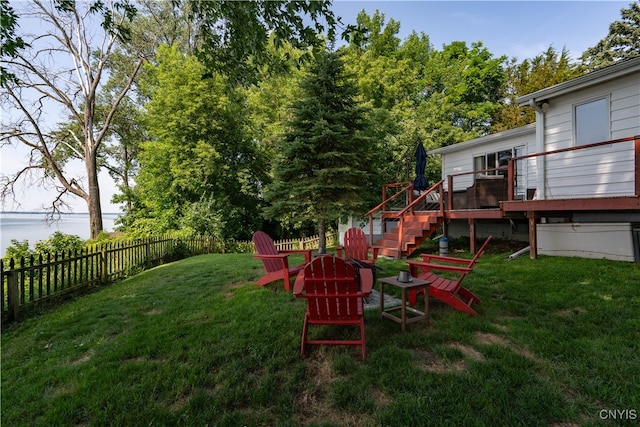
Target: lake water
[(34, 227)]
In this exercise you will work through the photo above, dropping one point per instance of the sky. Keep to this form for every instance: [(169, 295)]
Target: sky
[(517, 29)]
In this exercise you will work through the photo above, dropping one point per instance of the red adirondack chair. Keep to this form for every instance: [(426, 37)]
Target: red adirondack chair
[(333, 298), (448, 290), (356, 247), (276, 263)]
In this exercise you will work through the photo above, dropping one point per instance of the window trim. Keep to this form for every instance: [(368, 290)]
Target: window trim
[(607, 101)]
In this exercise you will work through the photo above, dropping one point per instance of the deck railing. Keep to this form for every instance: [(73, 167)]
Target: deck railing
[(404, 202), (35, 279), (578, 174), (587, 158)]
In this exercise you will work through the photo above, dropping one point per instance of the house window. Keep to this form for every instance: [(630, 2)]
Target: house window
[(592, 122), (496, 159)]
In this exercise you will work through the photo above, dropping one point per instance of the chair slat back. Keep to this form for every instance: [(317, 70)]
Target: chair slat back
[(331, 290), (264, 246), (355, 244)]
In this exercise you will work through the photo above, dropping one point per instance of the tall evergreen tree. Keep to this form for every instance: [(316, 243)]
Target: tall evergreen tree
[(622, 42), (326, 157)]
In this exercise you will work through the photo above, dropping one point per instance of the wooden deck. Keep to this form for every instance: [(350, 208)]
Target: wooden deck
[(417, 217)]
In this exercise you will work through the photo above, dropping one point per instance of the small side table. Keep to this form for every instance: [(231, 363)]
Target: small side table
[(414, 285)]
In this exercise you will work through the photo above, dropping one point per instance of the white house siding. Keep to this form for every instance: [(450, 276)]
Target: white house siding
[(460, 161), (597, 172), (610, 241)]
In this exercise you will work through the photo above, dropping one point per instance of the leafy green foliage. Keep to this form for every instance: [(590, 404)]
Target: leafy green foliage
[(56, 243), (17, 249), (10, 44), (415, 91), (59, 242), (326, 157), (234, 34), (198, 151), (546, 69)]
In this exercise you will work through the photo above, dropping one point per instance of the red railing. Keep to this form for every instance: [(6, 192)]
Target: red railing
[(512, 162), (410, 208), (511, 169), (407, 207), (406, 190)]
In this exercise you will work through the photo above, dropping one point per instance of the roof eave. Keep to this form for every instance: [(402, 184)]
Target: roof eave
[(615, 71), (495, 137)]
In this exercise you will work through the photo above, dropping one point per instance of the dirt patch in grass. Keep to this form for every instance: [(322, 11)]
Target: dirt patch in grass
[(489, 339), (503, 328), (82, 359), (315, 406), (179, 403), (570, 312), (432, 363), (508, 247), (229, 290), (468, 351), (485, 338)]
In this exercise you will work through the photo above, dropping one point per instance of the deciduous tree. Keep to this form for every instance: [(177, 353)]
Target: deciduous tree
[(198, 156), (65, 70), (62, 71), (546, 69)]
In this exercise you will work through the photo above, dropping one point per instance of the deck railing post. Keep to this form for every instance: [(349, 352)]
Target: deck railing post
[(371, 228), (511, 180), (450, 192), (400, 232)]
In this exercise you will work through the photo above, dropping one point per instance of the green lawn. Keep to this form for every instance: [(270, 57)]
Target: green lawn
[(557, 343)]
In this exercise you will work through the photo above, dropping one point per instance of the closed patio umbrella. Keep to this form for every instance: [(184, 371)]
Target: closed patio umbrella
[(420, 183)]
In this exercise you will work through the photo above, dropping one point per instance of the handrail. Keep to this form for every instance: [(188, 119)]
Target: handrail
[(511, 171), (512, 162), (578, 147), (382, 204), (423, 196), (400, 215), (385, 201)]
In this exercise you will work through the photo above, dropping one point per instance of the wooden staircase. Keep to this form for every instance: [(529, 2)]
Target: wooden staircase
[(415, 230), (415, 218)]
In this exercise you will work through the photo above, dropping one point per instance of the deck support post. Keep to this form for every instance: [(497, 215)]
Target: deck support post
[(533, 235), (472, 236), (636, 149)]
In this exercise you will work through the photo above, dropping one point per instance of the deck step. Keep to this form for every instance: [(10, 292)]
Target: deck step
[(416, 229)]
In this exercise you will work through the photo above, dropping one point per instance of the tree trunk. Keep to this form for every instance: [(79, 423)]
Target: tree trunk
[(322, 236), (93, 197)]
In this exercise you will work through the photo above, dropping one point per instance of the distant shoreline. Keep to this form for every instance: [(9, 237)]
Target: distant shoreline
[(35, 226)]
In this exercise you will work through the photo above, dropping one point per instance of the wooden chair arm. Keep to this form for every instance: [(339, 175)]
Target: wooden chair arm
[(366, 280), (415, 265), (429, 258), (374, 251), (282, 257), (298, 285), (339, 250), (279, 256)]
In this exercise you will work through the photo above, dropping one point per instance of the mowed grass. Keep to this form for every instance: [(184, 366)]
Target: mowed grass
[(195, 342)]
